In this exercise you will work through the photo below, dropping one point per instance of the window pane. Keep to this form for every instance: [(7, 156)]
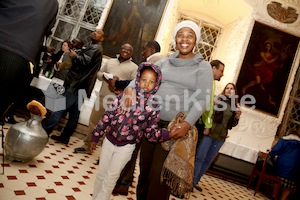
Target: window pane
[(84, 34), (63, 30), (72, 8), (93, 13)]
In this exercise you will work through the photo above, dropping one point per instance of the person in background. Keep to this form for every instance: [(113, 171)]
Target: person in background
[(150, 53), (205, 122), (62, 67), (226, 116), (123, 130), (121, 67), (76, 45), (185, 75), (286, 153), (64, 64), (82, 76), (23, 25), (51, 70), (46, 53)]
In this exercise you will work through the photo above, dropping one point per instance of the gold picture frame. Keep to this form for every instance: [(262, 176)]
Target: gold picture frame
[(266, 67)]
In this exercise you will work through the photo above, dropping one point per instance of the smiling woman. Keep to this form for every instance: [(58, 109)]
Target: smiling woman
[(186, 34), (183, 72)]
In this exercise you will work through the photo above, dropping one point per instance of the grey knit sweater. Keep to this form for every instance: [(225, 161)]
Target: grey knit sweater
[(186, 87)]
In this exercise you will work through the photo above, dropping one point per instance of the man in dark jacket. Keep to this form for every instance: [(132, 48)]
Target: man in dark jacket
[(23, 25), (79, 82)]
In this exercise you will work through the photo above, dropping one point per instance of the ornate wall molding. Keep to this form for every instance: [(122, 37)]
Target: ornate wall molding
[(255, 129), (261, 14), (279, 12)]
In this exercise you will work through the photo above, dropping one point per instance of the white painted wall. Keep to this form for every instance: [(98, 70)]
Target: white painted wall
[(256, 129)]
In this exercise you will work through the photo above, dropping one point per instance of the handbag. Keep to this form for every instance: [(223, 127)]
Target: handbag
[(178, 168)]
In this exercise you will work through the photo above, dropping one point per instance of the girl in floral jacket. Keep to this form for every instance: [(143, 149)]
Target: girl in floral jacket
[(123, 130)]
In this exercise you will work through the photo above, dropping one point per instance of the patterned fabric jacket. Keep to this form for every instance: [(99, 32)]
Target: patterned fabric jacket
[(141, 121)]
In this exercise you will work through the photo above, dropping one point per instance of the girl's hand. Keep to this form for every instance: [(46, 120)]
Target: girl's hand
[(128, 100)]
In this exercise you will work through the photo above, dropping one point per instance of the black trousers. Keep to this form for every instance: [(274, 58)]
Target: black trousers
[(15, 78), (152, 157)]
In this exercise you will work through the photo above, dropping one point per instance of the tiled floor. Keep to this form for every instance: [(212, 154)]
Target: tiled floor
[(59, 174)]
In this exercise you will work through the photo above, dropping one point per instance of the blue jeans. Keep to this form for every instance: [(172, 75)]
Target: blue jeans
[(205, 155), (55, 117)]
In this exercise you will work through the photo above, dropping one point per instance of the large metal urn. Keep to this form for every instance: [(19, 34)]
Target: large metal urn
[(25, 140)]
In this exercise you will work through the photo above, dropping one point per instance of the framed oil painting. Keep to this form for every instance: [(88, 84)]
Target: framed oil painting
[(266, 67), (133, 22)]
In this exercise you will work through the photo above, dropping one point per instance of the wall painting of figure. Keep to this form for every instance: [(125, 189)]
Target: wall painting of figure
[(266, 67)]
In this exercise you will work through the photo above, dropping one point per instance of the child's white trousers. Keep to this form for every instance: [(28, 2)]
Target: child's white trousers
[(112, 161)]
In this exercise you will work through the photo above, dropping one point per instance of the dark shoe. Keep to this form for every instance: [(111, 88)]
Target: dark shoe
[(97, 162), (178, 196), (81, 150), (198, 188), (120, 191), (59, 139)]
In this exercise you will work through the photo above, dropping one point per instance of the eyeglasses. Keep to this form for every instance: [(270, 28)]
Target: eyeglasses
[(126, 50)]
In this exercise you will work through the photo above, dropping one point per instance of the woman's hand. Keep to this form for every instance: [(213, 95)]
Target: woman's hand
[(206, 131), (179, 130), (238, 113), (72, 54), (92, 147), (50, 49), (57, 66)]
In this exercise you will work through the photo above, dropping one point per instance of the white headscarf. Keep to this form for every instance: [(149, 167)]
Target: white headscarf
[(190, 24)]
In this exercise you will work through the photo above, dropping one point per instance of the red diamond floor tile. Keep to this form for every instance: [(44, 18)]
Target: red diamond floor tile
[(31, 184), (71, 175), (19, 192)]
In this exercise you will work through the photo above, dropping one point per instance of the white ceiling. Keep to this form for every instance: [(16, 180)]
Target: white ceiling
[(224, 11)]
